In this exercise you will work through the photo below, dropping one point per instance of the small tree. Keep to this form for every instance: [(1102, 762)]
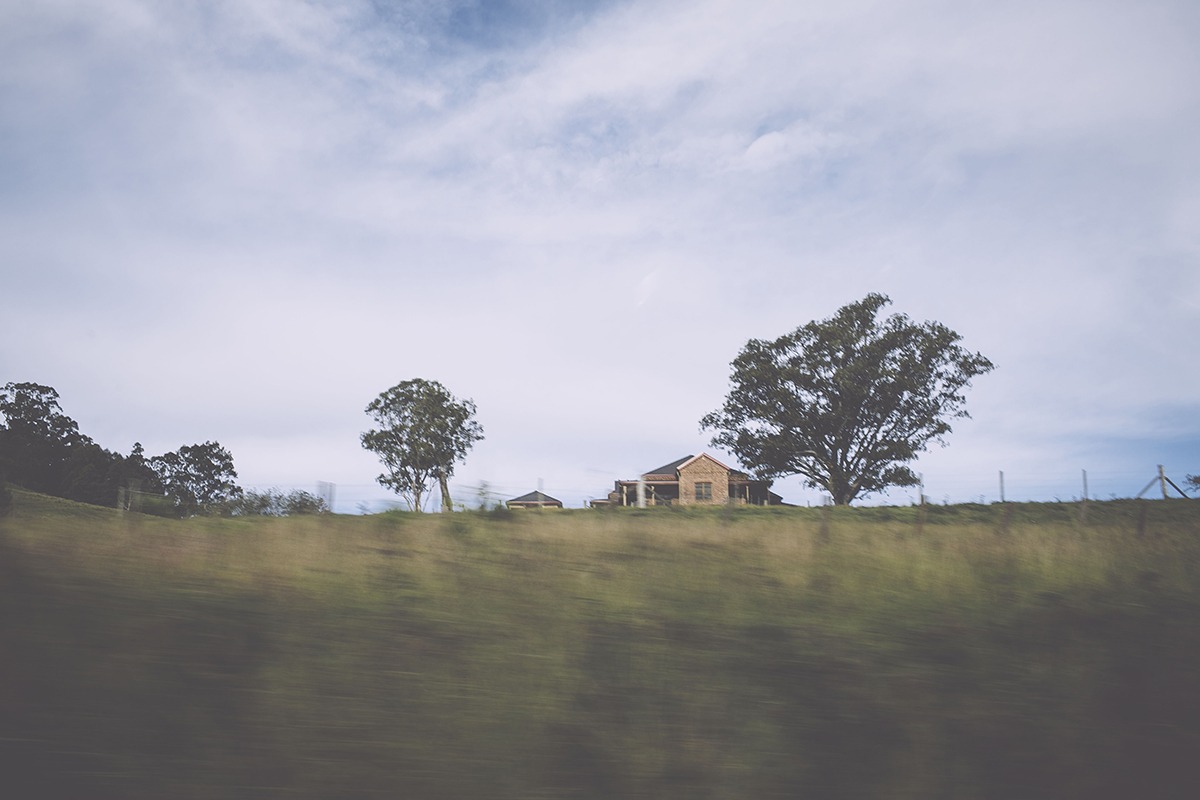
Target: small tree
[(845, 402), (423, 430)]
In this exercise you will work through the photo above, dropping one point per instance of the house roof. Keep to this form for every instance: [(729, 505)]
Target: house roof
[(690, 459), (534, 497), (669, 469)]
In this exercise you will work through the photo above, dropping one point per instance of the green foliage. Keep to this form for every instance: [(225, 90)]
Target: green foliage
[(276, 503), (32, 411), (846, 401), (423, 430), (661, 654), (42, 449), (37, 440), (198, 478), (155, 505)]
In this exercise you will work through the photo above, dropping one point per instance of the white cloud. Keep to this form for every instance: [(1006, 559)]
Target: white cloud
[(243, 220)]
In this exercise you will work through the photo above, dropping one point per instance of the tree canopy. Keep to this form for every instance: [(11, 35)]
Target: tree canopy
[(198, 477), (37, 440), (845, 402), (42, 450), (423, 431)]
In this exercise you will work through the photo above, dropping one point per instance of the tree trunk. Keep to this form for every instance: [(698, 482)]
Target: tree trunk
[(446, 504), (839, 491)]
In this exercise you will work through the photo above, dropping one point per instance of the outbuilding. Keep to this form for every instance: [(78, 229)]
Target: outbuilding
[(534, 500)]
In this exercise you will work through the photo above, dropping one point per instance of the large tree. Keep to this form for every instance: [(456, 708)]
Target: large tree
[(845, 402), (198, 478), (423, 430), (37, 440), (42, 450)]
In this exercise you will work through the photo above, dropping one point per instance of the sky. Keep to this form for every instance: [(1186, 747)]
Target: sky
[(242, 221)]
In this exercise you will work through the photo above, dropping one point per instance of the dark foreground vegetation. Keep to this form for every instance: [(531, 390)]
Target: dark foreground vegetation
[(980, 652)]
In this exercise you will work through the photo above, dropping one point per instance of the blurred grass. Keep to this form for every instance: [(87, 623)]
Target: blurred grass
[(961, 651)]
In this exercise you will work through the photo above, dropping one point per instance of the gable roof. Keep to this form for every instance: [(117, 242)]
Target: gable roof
[(669, 469), (688, 461), (534, 497)]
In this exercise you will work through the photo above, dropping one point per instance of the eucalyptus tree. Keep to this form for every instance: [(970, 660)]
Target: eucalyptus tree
[(41, 449), (845, 402), (37, 440), (423, 430), (197, 478)]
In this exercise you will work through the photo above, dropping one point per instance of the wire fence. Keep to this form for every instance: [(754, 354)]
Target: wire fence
[(1009, 486)]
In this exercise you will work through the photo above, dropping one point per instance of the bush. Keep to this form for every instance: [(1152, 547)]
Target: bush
[(275, 503)]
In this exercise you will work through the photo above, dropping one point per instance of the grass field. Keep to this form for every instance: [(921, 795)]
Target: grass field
[(959, 652)]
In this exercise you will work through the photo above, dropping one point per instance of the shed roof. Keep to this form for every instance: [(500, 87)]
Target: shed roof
[(535, 497)]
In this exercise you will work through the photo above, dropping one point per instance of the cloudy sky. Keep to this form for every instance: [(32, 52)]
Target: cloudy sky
[(241, 221)]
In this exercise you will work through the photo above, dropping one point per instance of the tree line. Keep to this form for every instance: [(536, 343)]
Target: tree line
[(42, 450)]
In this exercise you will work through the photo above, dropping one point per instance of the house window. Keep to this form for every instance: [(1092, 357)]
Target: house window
[(703, 491)]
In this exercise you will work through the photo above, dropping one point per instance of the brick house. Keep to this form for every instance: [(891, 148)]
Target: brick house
[(693, 480)]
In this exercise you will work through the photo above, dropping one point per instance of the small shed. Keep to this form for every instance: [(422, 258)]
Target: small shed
[(534, 500)]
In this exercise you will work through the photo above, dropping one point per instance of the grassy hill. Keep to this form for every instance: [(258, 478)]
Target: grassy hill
[(959, 652)]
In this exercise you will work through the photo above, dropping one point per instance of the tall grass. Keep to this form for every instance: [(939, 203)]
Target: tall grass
[(959, 651)]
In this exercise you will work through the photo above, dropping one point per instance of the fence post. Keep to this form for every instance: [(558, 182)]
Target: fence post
[(1083, 505)]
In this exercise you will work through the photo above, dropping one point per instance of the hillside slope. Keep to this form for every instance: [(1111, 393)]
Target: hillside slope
[(979, 652)]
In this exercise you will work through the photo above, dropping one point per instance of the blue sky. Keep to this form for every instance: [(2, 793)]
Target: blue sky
[(242, 221)]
